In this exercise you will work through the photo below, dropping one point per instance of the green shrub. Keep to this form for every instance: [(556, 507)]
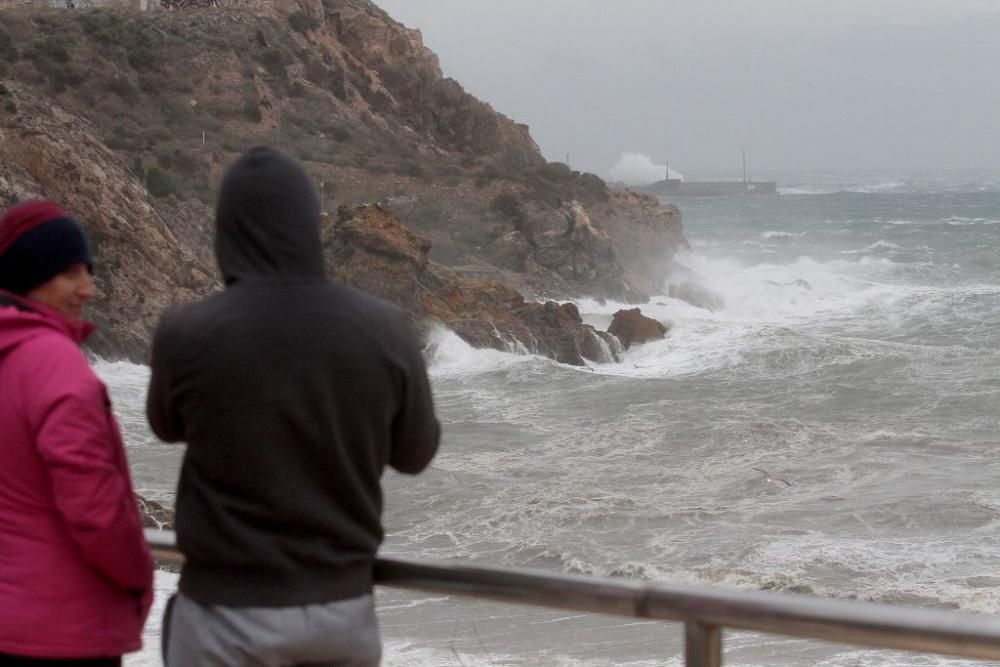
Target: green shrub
[(10, 107), (508, 206), (595, 186), (123, 88), (273, 61), (141, 59), (158, 183), (51, 48), (251, 111), (300, 22), (338, 133), (410, 168), (7, 49), (63, 78), (120, 140), (152, 82)]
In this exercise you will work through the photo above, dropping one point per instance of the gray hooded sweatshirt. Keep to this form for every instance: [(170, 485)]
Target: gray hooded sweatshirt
[(292, 393)]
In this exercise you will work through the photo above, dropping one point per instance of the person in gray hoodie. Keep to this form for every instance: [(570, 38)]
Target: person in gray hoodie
[(292, 392)]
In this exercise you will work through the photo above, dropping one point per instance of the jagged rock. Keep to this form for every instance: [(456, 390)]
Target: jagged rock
[(140, 264), (368, 248), (155, 515), (697, 295), (631, 327), (511, 251), (645, 235)]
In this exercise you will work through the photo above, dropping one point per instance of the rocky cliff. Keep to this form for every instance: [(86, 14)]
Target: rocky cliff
[(142, 264), (368, 248), (129, 118)]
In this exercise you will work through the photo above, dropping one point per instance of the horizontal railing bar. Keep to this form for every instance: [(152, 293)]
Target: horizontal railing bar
[(846, 622)]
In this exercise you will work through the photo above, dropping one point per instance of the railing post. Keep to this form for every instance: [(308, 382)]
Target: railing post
[(702, 645)]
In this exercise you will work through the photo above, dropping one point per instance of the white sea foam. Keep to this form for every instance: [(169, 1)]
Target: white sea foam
[(845, 188), (758, 301), (952, 221), (806, 190), (874, 188), (449, 355), (880, 245), (962, 221)]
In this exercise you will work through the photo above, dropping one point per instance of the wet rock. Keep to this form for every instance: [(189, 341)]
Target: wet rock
[(154, 514), (631, 327), (368, 248)]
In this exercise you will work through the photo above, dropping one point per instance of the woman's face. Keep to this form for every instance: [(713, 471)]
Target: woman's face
[(68, 292)]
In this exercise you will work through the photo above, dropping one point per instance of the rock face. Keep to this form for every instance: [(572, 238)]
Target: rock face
[(155, 515), (141, 266), (129, 118), (645, 235), (631, 327), (367, 247)]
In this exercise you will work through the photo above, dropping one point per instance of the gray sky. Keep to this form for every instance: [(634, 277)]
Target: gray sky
[(801, 84)]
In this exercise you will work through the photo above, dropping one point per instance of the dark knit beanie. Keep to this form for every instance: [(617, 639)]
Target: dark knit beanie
[(38, 240)]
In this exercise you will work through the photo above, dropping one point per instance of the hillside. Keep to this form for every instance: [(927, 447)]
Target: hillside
[(130, 118)]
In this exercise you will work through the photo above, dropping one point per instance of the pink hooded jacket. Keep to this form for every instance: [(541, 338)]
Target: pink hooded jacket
[(75, 571)]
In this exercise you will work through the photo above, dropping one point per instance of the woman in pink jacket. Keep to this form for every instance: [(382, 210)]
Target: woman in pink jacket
[(75, 571)]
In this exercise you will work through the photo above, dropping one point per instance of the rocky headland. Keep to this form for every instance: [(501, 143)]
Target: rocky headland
[(437, 202)]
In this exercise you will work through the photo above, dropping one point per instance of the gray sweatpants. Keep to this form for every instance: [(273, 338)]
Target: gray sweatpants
[(337, 634)]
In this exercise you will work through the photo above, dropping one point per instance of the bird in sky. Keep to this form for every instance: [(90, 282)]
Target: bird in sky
[(772, 480)]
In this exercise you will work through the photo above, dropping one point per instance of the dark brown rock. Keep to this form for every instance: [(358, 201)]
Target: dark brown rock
[(154, 514), (631, 327)]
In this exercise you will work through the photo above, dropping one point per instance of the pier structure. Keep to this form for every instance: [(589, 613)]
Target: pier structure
[(678, 187)]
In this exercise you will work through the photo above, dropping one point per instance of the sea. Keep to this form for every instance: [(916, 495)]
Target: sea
[(856, 361)]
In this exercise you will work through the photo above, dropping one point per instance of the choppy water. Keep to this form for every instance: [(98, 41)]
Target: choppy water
[(857, 357)]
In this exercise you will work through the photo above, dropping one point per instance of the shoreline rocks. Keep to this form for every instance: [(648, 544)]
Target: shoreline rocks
[(154, 514), (631, 327), (368, 248)]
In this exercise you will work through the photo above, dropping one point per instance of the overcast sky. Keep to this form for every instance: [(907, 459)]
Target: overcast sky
[(801, 84)]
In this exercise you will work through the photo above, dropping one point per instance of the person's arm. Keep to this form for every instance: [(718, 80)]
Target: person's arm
[(161, 413), (415, 429), (76, 436)]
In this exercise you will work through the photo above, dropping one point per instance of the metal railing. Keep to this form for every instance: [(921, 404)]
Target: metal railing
[(704, 611)]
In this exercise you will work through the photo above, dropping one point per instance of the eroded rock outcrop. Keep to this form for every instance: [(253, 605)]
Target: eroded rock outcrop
[(631, 327), (140, 264), (154, 514), (368, 248)]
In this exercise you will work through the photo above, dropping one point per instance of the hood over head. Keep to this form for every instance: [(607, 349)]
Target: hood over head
[(267, 220)]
